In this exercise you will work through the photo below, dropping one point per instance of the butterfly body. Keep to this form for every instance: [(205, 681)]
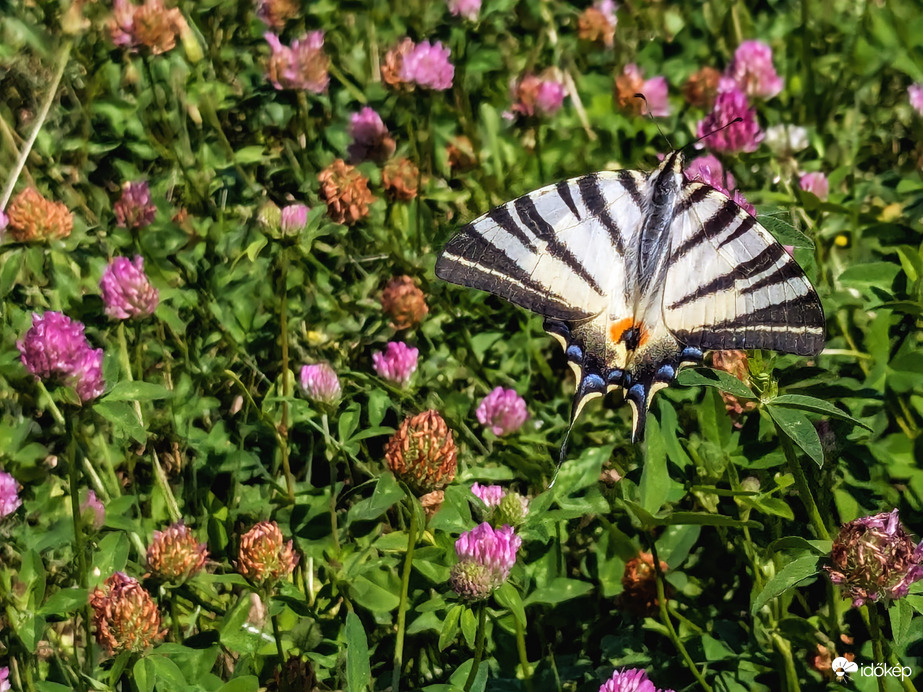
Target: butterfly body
[(637, 275)]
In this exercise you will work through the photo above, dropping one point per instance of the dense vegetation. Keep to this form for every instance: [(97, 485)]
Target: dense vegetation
[(223, 193)]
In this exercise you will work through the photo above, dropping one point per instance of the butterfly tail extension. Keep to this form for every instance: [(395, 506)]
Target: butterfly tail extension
[(593, 378), (642, 384)]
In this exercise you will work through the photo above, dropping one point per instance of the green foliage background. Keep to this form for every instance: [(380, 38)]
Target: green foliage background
[(747, 600)]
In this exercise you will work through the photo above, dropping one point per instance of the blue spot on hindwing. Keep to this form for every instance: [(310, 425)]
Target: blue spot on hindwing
[(615, 377), (665, 373), (690, 353)]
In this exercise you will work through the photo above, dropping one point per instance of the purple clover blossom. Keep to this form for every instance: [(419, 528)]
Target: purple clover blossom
[(92, 507), (9, 494), (503, 411), (134, 208), (655, 91), (490, 495), (127, 293), (294, 218), (502, 507), (485, 558), (371, 139), (427, 65), (467, 9), (815, 183), (396, 363), (708, 169), (550, 97), (742, 202), (608, 8), (5, 679), (303, 65), (56, 349), (536, 95), (629, 680), (915, 96), (631, 81), (753, 72), (4, 222), (320, 383), (875, 558), (737, 137)]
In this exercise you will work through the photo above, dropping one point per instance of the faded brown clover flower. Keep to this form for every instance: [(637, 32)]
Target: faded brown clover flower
[(403, 302), (460, 154), (593, 25), (264, 556), (276, 12), (394, 62), (735, 363), (346, 192), (32, 217), (701, 88), (175, 554), (400, 177), (422, 453), (150, 24), (875, 558), (125, 615), (639, 581)]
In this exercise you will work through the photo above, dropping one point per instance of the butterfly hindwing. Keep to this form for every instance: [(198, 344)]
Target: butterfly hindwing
[(556, 251), (731, 285)]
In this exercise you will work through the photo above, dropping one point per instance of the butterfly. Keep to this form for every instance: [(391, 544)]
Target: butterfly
[(637, 275)]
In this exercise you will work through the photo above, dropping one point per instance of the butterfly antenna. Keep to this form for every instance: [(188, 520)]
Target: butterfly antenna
[(715, 131), (654, 120)]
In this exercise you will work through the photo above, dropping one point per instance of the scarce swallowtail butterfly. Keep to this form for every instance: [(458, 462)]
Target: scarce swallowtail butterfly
[(637, 275)]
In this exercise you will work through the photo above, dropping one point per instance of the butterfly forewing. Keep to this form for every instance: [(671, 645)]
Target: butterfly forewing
[(556, 251), (730, 284)]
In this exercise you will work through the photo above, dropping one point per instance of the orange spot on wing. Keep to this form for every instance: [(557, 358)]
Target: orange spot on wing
[(617, 329)]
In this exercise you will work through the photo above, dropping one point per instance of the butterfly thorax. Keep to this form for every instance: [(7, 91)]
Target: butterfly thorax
[(652, 254)]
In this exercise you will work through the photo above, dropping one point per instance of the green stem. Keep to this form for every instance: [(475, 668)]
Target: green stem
[(523, 656), (405, 589), (277, 634), (871, 610), (869, 613), (478, 645), (668, 623), (801, 484), (333, 483), (354, 91), (286, 380), (73, 451), (63, 56), (174, 621), (160, 475), (791, 673)]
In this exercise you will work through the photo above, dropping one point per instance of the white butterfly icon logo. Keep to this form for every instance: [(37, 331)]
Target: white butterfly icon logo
[(842, 668)]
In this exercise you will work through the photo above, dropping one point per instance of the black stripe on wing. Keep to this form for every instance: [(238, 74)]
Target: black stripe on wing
[(742, 271), (597, 205), (471, 260), (793, 326), (536, 224)]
